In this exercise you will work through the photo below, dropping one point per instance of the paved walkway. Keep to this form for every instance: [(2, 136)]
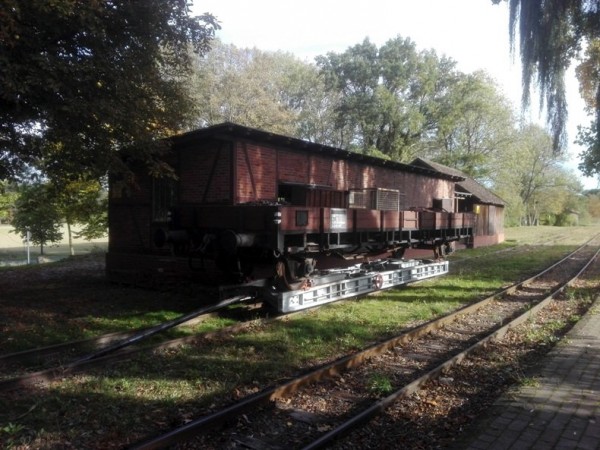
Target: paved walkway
[(562, 410)]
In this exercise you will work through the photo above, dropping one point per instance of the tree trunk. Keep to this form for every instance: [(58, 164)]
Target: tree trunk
[(71, 249)]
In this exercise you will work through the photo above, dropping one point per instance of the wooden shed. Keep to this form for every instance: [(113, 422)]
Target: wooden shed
[(471, 196), (243, 180)]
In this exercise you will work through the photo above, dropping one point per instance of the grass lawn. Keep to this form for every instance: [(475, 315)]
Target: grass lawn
[(13, 249), (545, 235), (104, 408)]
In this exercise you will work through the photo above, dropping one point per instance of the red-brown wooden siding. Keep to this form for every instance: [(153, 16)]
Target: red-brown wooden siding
[(259, 169), (255, 173), (205, 174), (490, 222), (234, 172)]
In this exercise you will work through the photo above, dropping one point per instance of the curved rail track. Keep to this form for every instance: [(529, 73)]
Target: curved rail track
[(407, 361), (109, 348), (42, 365), (62, 354)]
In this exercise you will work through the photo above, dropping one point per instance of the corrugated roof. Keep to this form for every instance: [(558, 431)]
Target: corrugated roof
[(480, 192), (230, 130)]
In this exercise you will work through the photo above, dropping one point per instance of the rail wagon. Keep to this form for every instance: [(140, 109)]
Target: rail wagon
[(249, 207)]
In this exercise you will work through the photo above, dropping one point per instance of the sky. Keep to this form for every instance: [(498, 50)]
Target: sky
[(472, 32)]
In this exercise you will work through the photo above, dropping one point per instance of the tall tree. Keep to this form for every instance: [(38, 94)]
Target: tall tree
[(273, 91), (244, 86), (8, 198), (36, 213), (82, 202), (588, 73), (80, 81), (389, 96), (475, 124), (530, 178), (594, 204), (355, 75), (551, 34)]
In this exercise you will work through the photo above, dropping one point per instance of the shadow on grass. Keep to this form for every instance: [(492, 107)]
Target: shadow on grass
[(139, 398), (163, 390), (73, 300)]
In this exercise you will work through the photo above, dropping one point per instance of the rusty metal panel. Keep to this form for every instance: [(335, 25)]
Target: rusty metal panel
[(367, 219), (297, 218), (432, 220), (390, 220), (409, 220), (457, 220)]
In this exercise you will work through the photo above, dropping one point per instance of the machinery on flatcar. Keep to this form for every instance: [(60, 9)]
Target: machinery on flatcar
[(292, 244), (251, 208)]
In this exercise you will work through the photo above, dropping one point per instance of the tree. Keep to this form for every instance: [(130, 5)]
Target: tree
[(588, 73), (594, 204), (551, 34), (85, 203), (8, 197), (355, 75), (273, 91), (244, 86), (529, 177), (37, 213), (475, 124), (82, 81), (388, 96)]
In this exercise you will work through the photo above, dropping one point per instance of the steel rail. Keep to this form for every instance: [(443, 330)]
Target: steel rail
[(125, 335), (160, 328), (379, 406), (97, 341), (329, 369), (40, 352), (101, 357), (47, 375)]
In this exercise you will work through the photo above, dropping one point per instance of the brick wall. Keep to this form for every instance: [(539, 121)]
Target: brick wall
[(129, 228), (205, 174), (256, 172), (418, 190), (232, 172)]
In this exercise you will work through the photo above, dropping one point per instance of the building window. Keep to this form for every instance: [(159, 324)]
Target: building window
[(164, 197)]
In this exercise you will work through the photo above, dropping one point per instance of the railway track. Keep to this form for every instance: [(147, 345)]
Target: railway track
[(42, 365), (65, 354), (294, 414)]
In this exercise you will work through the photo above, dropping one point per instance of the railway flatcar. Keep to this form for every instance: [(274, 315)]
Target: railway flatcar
[(249, 207)]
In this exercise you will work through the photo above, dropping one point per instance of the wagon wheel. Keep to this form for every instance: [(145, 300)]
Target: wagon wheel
[(378, 281)]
